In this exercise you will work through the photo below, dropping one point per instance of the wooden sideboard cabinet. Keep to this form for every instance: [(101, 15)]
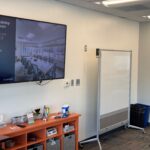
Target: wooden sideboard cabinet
[(65, 136)]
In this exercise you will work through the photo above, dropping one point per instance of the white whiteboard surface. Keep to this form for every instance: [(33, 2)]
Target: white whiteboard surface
[(114, 80)]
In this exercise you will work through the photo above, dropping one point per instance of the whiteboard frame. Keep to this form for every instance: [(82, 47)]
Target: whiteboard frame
[(99, 90), (99, 86)]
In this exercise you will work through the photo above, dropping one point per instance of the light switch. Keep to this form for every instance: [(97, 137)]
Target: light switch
[(72, 82), (77, 82)]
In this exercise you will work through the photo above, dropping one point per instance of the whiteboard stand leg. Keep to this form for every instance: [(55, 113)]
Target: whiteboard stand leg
[(135, 127), (131, 126), (99, 143), (92, 140)]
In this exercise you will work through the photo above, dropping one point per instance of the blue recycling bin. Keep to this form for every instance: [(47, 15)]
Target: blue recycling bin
[(139, 115)]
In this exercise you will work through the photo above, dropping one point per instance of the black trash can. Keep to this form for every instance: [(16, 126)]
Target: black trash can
[(139, 115)]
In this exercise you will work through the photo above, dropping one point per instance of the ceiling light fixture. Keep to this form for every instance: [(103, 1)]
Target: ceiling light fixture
[(147, 17), (107, 3), (97, 2)]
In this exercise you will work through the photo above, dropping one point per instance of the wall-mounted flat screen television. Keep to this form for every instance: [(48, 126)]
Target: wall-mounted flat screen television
[(31, 50)]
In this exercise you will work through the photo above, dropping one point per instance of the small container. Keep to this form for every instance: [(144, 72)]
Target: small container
[(19, 119), (65, 111), (46, 111)]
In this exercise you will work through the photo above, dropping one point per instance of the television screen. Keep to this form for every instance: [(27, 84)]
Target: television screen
[(31, 50)]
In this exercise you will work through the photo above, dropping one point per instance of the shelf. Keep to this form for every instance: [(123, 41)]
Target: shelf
[(69, 132), (55, 131), (39, 135), (23, 136), (53, 136), (18, 146), (29, 143), (23, 148), (69, 127), (19, 142)]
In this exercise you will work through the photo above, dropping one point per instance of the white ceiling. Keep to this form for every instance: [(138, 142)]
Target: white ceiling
[(133, 11)]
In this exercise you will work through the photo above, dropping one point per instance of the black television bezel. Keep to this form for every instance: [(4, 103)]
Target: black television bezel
[(64, 49)]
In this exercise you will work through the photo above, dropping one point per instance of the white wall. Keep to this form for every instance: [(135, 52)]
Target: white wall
[(144, 61), (84, 27)]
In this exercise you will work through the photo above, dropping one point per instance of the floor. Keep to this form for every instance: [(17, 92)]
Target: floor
[(123, 139)]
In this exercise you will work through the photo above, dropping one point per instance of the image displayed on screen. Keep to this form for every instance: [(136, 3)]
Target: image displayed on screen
[(31, 50)]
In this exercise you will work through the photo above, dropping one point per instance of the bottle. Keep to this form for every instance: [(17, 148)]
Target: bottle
[(45, 115), (45, 112)]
